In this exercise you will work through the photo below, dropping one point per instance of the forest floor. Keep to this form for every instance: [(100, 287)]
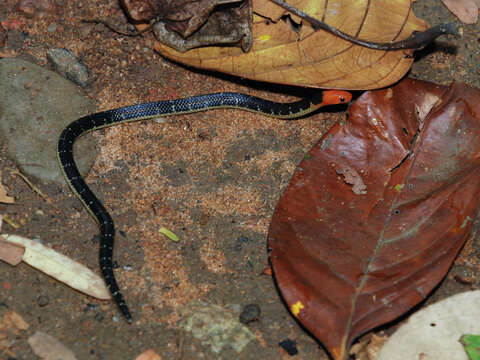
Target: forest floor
[(213, 178)]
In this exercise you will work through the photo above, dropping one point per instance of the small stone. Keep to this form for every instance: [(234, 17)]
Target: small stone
[(89, 307), (43, 300), (250, 312), (67, 65), (240, 241), (290, 346), (52, 27)]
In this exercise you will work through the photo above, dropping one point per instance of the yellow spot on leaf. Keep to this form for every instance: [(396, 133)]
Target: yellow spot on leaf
[(399, 187), (295, 308), (263, 38)]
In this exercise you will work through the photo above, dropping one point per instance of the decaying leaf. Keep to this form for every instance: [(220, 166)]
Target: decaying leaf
[(368, 347), (60, 267), (288, 51), (345, 262), (4, 198), (465, 10), (48, 348)]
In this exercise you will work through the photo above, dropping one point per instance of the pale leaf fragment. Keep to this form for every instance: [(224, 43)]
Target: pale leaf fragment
[(465, 10), (148, 355), (61, 267), (368, 347), (11, 253), (49, 348), (13, 320)]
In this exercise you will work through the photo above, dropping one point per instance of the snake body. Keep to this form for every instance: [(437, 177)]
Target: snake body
[(151, 110)]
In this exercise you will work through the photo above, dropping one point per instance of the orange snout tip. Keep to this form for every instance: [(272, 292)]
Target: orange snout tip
[(333, 97)]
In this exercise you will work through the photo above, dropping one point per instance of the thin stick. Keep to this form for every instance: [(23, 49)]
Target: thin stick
[(418, 40), (30, 184)]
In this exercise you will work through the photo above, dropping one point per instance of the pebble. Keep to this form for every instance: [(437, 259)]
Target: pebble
[(240, 241), (250, 312), (52, 27), (36, 105), (290, 346), (43, 300), (37, 8), (67, 65)]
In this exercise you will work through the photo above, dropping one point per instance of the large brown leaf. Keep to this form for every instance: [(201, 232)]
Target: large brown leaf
[(282, 53), (378, 210)]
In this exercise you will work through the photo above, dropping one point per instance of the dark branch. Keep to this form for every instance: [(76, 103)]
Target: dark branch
[(418, 40)]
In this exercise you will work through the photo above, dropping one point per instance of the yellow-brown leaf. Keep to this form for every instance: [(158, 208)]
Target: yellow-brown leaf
[(317, 59)]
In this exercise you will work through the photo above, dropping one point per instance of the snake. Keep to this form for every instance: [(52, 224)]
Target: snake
[(151, 110)]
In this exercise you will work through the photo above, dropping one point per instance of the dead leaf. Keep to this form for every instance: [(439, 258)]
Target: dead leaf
[(11, 253), (347, 263), (60, 267), (465, 10), (148, 355), (49, 348), (3, 194), (13, 320), (369, 346), (292, 53)]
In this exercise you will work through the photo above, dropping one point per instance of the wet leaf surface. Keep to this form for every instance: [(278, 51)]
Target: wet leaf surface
[(347, 261)]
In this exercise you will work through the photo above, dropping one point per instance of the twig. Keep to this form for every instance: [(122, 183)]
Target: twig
[(418, 40), (29, 183), (10, 222)]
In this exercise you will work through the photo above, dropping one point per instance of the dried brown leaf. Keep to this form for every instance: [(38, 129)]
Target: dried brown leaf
[(345, 262), (285, 53)]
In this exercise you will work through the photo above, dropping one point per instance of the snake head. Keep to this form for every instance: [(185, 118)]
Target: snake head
[(333, 97)]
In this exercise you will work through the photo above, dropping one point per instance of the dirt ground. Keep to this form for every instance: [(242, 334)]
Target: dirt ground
[(213, 178)]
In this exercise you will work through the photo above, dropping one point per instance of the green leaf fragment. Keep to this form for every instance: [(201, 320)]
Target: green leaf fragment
[(471, 344), (171, 235)]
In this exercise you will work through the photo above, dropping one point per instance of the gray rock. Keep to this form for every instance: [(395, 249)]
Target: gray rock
[(35, 106), (67, 65)]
